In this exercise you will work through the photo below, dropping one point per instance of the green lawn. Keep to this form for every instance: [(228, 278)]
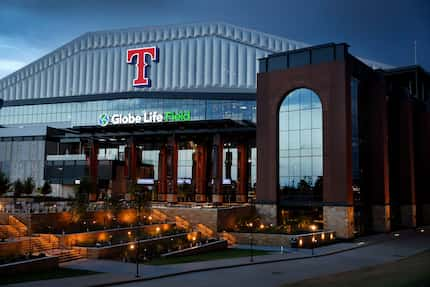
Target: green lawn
[(54, 274), (224, 254), (413, 271)]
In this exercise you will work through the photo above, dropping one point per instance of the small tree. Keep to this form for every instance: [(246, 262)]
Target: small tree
[(81, 200), (141, 198), (4, 184), (46, 189), (113, 205), (304, 186), (29, 185), (18, 188)]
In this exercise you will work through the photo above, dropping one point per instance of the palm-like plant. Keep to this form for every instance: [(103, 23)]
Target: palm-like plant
[(46, 188), (29, 185), (18, 188), (4, 183)]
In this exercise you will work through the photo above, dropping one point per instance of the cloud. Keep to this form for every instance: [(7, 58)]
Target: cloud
[(10, 66), (15, 53)]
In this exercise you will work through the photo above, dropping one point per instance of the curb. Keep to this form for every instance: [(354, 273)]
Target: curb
[(235, 266)]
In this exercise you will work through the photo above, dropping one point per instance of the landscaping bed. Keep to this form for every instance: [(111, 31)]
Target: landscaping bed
[(214, 255)]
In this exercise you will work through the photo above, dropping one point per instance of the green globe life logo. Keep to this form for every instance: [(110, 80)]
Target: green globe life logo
[(103, 120)]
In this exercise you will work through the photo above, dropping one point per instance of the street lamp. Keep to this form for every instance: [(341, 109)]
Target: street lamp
[(251, 242), (132, 248), (313, 228)]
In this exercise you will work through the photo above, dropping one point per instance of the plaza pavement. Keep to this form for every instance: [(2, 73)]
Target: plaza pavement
[(267, 270)]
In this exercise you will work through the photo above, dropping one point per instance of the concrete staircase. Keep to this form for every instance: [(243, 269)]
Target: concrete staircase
[(14, 229), (183, 223), (44, 243), (158, 216), (66, 255), (205, 231)]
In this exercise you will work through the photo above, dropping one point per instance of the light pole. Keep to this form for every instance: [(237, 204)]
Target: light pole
[(251, 242), (133, 247), (313, 228), (30, 248)]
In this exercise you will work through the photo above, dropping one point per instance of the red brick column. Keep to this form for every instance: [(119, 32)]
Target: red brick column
[(407, 166), (200, 173), (423, 166), (242, 188), (162, 174), (172, 170), (94, 166), (93, 161), (217, 154), (133, 160)]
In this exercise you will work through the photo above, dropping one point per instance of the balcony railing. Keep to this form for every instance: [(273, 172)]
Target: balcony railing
[(60, 157)]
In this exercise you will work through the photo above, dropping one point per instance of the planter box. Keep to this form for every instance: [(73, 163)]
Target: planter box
[(271, 239), (204, 248)]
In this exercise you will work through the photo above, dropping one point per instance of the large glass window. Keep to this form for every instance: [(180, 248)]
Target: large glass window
[(87, 113), (301, 145)]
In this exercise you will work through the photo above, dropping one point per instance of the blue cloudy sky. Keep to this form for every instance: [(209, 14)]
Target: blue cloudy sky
[(380, 30)]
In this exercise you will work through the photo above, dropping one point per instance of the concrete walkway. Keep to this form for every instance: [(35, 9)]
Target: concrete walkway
[(370, 250)]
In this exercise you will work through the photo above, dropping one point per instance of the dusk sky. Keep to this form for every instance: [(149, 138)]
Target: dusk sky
[(382, 31)]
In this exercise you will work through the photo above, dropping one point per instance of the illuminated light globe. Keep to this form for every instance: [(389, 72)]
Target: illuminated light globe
[(103, 120)]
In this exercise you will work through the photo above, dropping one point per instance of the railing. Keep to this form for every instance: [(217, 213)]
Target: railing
[(66, 157)]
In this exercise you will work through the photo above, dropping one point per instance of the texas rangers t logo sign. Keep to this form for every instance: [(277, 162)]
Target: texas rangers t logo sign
[(139, 54)]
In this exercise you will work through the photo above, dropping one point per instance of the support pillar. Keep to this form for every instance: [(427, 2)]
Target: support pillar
[(132, 160), (217, 154), (94, 167), (93, 160), (172, 170), (381, 218), (339, 219), (376, 167), (200, 173), (162, 174), (242, 189), (407, 164)]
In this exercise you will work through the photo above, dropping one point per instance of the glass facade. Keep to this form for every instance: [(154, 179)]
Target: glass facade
[(300, 142), (87, 113)]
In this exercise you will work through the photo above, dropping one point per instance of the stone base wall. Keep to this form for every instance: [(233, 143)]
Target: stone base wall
[(12, 248), (170, 197), (103, 235), (119, 250), (269, 239), (408, 214), (426, 213), (265, 239), (381, 218), (212, 218), (267, 212), (340, 219)]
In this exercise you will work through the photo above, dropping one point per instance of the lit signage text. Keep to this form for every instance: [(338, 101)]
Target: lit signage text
[(146, 117)]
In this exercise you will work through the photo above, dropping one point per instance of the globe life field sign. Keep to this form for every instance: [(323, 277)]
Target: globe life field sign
[(146, 117)]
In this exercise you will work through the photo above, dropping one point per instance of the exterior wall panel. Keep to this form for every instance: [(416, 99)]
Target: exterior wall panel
[(203, 56)]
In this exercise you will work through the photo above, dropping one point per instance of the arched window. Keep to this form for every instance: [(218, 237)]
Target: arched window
[(300, 143)]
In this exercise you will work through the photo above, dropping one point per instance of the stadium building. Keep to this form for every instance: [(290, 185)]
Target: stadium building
[(180, 111)]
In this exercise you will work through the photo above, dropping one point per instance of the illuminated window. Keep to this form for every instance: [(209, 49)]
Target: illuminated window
[(300, 143)]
